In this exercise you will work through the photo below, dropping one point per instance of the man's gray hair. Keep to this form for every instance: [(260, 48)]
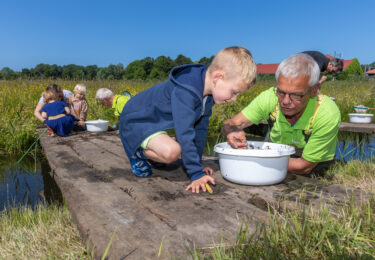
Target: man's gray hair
[(103, 93), (297, 65)]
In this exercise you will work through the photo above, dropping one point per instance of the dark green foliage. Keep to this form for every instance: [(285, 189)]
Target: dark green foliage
[(135, 70), (181, 59), (354, 68), (145, 69), (206, 61), (7, 73), (161, 68)]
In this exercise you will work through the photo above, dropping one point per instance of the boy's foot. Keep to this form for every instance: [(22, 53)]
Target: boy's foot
[(139, 164), (140, 155)]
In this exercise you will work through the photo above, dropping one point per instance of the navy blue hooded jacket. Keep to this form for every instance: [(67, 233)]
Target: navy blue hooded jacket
[(176, 103)]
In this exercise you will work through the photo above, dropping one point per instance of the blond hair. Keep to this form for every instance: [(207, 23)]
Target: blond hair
[(236, 61), (81, 89), (49, 95)]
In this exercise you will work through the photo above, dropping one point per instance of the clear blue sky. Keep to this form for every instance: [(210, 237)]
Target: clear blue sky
[(112, 32)]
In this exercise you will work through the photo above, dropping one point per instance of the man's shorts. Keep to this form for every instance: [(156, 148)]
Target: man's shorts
[(145, 142)]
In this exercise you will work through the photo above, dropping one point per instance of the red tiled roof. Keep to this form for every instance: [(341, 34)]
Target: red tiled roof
[(371, 72), (271, 68), (346, 63), (267, 68)]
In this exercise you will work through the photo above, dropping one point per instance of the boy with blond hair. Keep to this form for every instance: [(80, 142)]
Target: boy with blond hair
[(183, 103)]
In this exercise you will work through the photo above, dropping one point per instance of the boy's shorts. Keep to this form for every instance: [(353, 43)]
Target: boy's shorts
[(145, 142)]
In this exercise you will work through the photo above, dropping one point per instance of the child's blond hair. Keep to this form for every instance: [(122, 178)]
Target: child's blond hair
[(236, 61), (49, 95), (81, 89)]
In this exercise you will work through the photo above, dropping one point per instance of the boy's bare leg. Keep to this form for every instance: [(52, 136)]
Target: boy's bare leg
[(163, 148)]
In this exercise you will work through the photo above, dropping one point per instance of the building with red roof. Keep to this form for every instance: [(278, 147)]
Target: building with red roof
[(271, 68), (371, 72)]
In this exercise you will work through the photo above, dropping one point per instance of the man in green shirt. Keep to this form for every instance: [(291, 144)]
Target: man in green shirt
[(296, 114), (116, 102)]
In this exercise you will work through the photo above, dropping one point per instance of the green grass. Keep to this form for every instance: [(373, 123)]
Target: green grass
[(19, 98), (42, 233), (305, 233)]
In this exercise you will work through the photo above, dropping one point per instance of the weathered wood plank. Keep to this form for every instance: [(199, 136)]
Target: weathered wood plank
[(104, 197)]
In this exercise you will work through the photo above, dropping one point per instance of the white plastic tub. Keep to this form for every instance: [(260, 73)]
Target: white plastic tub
[(262, 164), (360, 118), (97, 125)]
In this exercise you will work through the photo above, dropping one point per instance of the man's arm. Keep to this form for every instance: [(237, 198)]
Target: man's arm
[(232, 130), (235, 124), (300, 166)]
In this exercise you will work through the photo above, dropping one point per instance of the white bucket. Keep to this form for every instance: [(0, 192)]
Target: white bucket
[(97, 125), (360, 118), (262, 164)]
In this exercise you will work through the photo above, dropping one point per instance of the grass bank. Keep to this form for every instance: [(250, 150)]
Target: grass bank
[(305, 233), (42, 233)]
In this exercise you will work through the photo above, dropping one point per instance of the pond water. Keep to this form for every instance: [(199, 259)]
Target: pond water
[(28, 183)]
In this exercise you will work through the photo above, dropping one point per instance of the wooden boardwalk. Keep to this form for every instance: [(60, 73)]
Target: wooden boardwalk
[(105, 198)]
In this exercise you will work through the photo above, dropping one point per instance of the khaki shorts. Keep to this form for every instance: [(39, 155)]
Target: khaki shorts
[(145, 142)]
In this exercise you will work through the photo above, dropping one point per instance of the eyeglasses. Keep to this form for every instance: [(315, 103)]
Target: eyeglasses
[(293, 96)]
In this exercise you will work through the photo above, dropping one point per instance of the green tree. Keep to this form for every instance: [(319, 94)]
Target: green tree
[(206, 61), (161, 68), (102, 73), (354, 68), (26, 73), (7, 73), (147, 64), (115, 71), (181, 59), (90, 72), (135, 70)]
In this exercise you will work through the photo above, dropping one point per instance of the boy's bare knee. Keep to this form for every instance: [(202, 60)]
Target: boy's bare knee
[(172, 153)]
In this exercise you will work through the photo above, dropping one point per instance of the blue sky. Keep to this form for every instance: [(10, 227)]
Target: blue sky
[(112, 32)]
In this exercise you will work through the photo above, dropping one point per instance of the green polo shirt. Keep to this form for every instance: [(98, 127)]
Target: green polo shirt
[(118, 104), (321, 145)]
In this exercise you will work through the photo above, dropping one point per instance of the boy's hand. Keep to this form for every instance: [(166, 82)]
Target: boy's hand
[(237, 140), (80, 122), (208, 170), (200, 183)]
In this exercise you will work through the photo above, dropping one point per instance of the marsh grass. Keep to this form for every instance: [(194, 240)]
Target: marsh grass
[(305, 233), (42, 233), (18, 99), (355, 173)]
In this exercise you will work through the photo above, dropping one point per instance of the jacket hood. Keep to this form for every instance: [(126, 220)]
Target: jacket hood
[(180, 76)]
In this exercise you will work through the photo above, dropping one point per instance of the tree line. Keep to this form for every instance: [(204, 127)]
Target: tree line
[(144, 69)]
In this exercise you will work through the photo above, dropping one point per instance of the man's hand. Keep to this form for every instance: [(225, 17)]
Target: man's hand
[(80, 122), (200, 183), (237, 140)]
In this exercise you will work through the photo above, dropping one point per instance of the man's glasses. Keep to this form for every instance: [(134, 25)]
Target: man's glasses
[(293, 96)]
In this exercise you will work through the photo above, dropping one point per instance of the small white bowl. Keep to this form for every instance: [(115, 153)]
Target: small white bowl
[(360, 109), (360, 118), (97, 125)]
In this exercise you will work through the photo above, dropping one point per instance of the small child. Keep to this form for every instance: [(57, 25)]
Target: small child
[(79, 106), (57, 114), (184, 103)]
